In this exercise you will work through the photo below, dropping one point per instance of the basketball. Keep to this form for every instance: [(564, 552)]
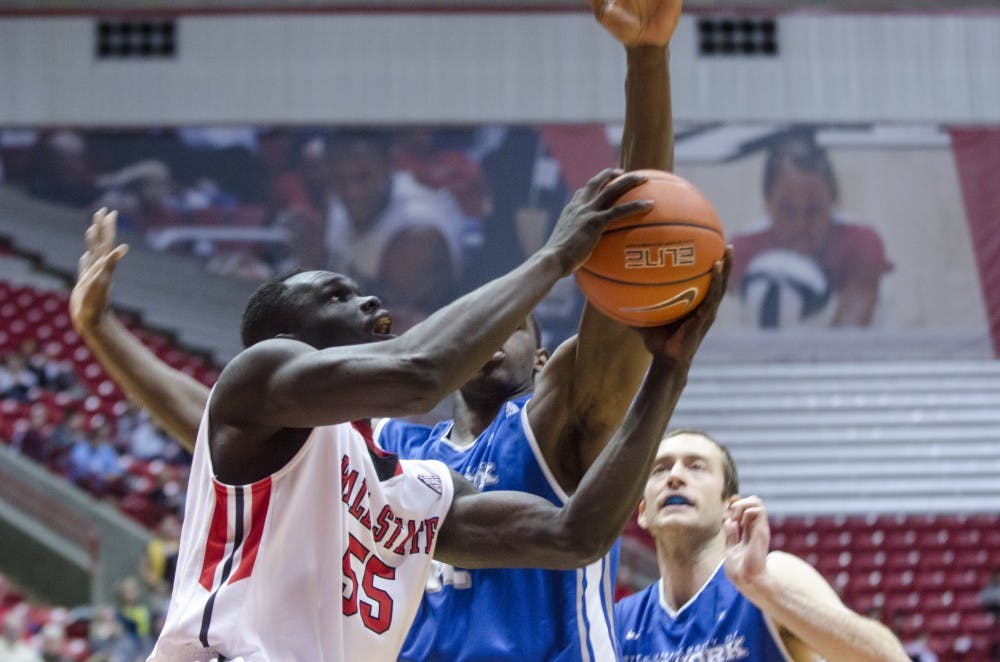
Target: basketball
[(654, 268)]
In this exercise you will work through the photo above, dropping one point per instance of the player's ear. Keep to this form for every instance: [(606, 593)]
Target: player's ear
[(541, 358), (641, 519)]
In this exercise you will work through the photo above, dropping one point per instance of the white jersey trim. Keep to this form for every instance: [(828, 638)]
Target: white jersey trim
[(666, 606), (539, 458)]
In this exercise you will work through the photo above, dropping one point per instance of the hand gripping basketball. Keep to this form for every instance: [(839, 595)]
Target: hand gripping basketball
[(637, 22)]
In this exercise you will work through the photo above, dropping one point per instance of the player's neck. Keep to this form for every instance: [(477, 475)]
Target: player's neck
[(470, 418), (685, 567)]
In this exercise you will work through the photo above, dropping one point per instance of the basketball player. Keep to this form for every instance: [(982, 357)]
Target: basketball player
[(721, 595), (494, 439)]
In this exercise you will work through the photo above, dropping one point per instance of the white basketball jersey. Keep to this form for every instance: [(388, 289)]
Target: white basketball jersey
[(324, 560)]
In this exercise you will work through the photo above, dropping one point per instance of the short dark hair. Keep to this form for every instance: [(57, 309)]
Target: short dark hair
[(731, 477), (267, 313), (801, 151)]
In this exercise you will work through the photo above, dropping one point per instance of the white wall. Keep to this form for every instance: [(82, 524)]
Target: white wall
[(468, 67)]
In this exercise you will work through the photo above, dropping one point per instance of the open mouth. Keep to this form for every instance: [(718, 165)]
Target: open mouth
[(382, 325), (676, 500)]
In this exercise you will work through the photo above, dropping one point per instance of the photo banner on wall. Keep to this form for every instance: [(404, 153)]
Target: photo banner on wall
[(852, 242)]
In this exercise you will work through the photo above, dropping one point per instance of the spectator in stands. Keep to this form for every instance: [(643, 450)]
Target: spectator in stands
[(71, 431), (145, 195), (93, 462), (36, 440), (53, 643), (107, 639), (916, 646), (13, 647), (808, 245), (383, 228), (48, 370), (719, 589), (17, 382), (61, 170), (9, 598), (989, 597), (160, 562), (133, 614)]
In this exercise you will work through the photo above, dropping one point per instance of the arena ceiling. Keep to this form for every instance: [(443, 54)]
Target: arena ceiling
[(35, 7)]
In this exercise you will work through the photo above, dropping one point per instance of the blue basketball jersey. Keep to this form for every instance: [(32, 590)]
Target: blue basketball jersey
[(717, 624), (504, 614)]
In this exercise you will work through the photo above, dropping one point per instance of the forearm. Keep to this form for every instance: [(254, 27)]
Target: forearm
[(611, 488), (648, 137), (826, 626), (175, 400)]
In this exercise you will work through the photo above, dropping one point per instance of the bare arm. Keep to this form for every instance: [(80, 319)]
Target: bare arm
[(175, 400), (284, 383), (513, 529), (797, 597), (585, 389)]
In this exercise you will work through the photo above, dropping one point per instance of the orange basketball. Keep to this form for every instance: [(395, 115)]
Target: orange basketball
[(654, 268)]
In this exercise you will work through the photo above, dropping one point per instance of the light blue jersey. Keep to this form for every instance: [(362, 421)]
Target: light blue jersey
[(718, 625), (525, 615)]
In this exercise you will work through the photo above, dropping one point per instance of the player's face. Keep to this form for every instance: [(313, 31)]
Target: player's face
[(361, 178), (801, 208), (511, 369), (684, 491), (334, 312)]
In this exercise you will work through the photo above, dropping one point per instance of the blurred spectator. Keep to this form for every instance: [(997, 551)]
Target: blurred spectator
[(50, 372), (36, 441), (141, 438), (17, 382), (393, 235), (145, 195), (61, 170), (989, 597), (13, 647), (809, 251), (53, 643), (93, 462), (9, 598), (108, 640), (71, 431), (134, 616), (417, 152), (915, 645), (160, 562)]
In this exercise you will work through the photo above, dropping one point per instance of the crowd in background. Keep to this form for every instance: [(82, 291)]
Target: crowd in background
[(457, 205)]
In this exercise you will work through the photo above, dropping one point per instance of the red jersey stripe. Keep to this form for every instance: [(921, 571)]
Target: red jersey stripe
[(218, 536), (260, 499)]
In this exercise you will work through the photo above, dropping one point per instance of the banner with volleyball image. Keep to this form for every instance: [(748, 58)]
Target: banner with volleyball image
[(851, 242)]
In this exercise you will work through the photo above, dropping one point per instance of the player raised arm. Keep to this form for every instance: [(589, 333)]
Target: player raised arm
[(514, 529), (584, 390), (175, 400), (796, 597), (323, 374)]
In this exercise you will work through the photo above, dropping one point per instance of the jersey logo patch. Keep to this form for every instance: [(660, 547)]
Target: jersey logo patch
[(432, 481)]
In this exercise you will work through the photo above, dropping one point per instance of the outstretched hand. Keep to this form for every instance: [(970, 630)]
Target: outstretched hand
[(679, 340), (89, 298), (638, 22), (590, 211), (748, 538)]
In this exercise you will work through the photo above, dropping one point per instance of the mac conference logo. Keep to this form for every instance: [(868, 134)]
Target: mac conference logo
[(657, 256)]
